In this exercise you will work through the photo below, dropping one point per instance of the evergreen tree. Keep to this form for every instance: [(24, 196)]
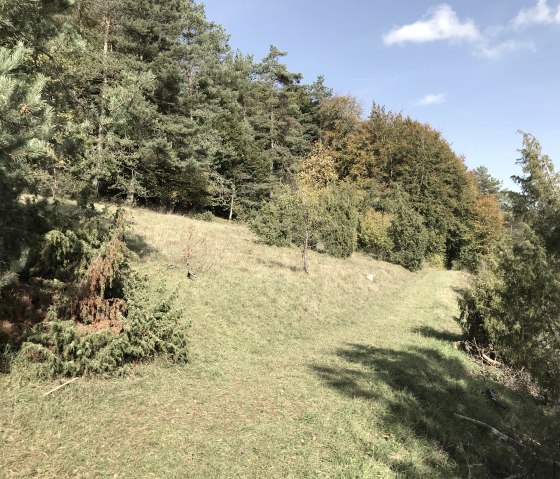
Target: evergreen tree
[(339, 228), (319, 93), (487, 184), (408, 236), (241, 175), (25, 127), (276, 114), (515, 303)]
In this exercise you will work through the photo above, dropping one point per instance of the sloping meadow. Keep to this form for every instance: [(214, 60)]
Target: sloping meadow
[(348, 371)]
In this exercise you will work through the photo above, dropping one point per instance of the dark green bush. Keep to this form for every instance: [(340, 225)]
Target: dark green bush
[(276, 220), (515, 307), (206, 216), (339, 228), (98, 320), (409, 237), (60, 347), (329, 217)]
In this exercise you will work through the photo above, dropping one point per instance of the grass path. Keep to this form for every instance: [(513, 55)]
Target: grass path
[(279, 406), (326, 375)]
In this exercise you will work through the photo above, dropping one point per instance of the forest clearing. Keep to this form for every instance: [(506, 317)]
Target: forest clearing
[(213, 265), (290, 375)]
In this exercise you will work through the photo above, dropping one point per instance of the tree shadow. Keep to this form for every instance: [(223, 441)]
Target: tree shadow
[(460, 291), (419, 391), (429, 332), (137, 244), (278, 264)]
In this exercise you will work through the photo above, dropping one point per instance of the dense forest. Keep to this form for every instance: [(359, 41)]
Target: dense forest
[(143, 102), (146, 103)]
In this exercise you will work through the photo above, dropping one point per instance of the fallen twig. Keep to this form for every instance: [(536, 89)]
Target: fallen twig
[(525, 436), (61, 386), (506, 438), (493, 430), (489, 360)]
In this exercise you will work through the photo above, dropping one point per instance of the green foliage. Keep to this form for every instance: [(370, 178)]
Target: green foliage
[(479, 302), (206, 216), (487, 184), (339, 228), (409, 237), (25, 122), (391, 153), (373, 235), (276, 221), (63, 255), (99, 319), (58, 348), (306, 217), (515, 304)]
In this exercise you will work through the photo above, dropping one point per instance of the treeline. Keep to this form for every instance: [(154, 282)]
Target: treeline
[(152, 106), (148, 104), (144, 102), (413, 196)]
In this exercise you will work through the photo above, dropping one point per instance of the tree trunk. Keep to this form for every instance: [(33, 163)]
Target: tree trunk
[(304, 252), (231, 208), (100, 129), (271, 128), (131, 194)]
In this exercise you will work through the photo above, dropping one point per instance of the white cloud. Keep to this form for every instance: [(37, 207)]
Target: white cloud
[(431, 99), (541, 13), (492, 52), (440, 23)]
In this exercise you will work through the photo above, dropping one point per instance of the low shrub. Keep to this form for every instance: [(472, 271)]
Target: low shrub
[(206, 216), (373, 234), (65, 348), (98, 320), (276, 221), (339, 220)]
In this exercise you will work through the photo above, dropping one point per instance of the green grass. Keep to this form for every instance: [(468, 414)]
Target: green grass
[(291, 376)]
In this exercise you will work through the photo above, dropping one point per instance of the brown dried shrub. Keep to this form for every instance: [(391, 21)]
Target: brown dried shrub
[(99, 301)]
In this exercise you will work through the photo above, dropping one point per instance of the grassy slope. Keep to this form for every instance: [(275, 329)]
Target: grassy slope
[(326, 375)]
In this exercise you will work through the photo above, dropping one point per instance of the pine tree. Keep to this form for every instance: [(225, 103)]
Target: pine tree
[(25, 126), (487, 184), (276, 114), (515, 303)]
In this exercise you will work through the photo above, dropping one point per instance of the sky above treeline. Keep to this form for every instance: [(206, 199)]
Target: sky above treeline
[(477, 70)]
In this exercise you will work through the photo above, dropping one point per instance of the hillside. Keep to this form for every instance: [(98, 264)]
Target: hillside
[(291, 375)]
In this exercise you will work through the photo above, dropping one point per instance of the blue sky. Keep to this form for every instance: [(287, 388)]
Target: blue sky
[(477, 70)]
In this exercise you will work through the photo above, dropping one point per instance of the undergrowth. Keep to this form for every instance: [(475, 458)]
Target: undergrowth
[(59, 347), (96, 317)]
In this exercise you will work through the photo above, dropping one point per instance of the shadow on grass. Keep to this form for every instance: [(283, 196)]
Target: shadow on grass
[(138, 245), (446, 336), (278, 264), (460, 291), (418, 391)]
